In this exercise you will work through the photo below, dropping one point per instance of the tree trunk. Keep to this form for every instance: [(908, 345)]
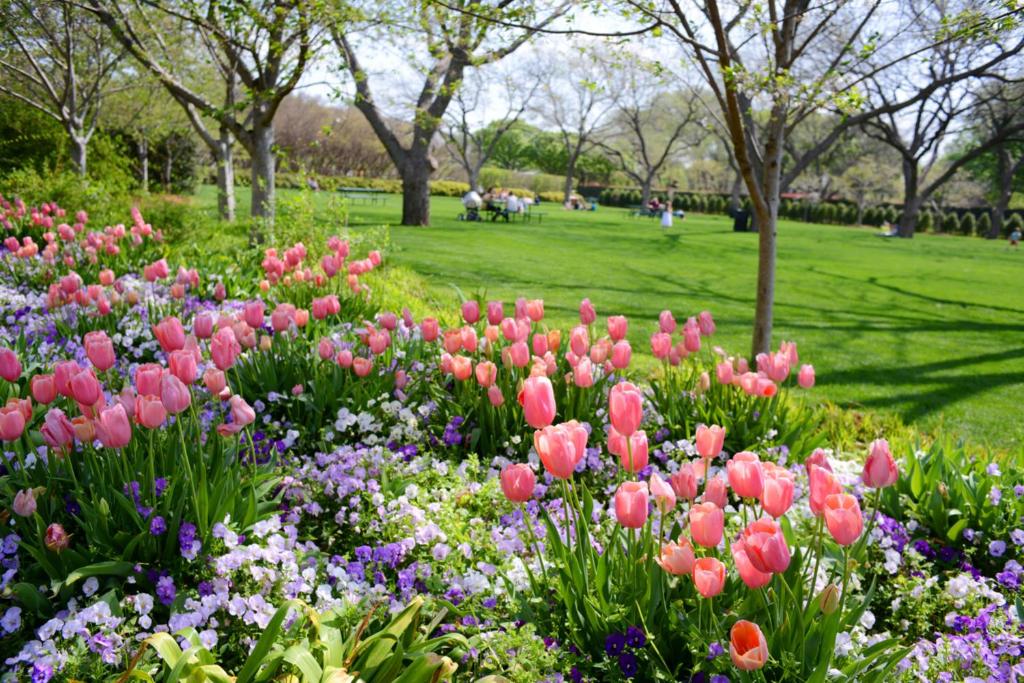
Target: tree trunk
[(860, 210), (168, 166), (766, 213), (416, 190), (144, 163), (79, 153), (911, 200), (474, 177), (570, 172), (225, 159), (734, 195), (645, 192), (263, 162), (1005, 170)]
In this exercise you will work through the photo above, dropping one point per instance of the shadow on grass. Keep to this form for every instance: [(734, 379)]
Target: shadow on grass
[(927, 392)]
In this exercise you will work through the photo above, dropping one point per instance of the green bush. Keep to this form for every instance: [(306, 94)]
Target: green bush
[(951, 223), (891, 214), (1014, 222), (984, 224), (968, 224), (925, 222)]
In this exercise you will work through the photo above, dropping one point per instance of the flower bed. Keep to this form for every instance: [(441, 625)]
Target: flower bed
[(210, 477)]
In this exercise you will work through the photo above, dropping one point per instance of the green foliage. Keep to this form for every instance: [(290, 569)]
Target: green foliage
[(951, 223), (925, 222), (984, 224), (29, 139), (317, 648), (1014, 222), (107, 203), (967, 224)]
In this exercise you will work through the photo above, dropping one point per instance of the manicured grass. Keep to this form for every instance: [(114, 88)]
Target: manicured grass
[(929, 328)]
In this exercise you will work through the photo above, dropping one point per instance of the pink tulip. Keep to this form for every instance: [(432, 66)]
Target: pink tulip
[(843, 518), (170, 333), (805, 378), (631, 504), (85, 388), (766, 546), (684, 482), (747, 646), (691, 340), (587, 313), (708, 576), (819, 458), (724, 372), (583, 373), (254, 313), (715, 492), (282, 317), (557, 450), (147, 379), (706, 323), (202, 325), (579, 340), (600, 350), (706, 524), (518, 482), (661, 344), (880, 468), (495, 312), (182, 365), (242, 413), (822, 484), (362, 366), (57, 430), (745, 475), (617, 327), (10, 366), (175, 396), (345, 358), (709, 440), (486, 373), (666, 322), (535, 310), (777, 496), (677, 558), (224, 348), (632, 450), (150, 412), (621, 354), (325, 349), (540, 344), (43, 388), (625, 408), (24, 503), (661, 491), (537, 398), (471, 311), (100, 350), (749, 574), (766, 388), (113, 428), (462, 367), (56, 539), (12, 423), (495, 396)]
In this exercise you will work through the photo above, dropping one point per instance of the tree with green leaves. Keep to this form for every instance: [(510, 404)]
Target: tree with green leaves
[(455, 37), (260, 49), (56, 58)]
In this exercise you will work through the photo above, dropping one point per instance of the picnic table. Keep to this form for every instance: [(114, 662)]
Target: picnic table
[(363, 195), (640, 211)]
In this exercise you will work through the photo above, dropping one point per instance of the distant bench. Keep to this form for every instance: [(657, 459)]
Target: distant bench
[(363, 195)]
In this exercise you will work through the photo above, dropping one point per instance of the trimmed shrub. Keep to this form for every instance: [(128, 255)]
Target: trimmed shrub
[(984, 224), (968, 224), (951, 223), (925, 222), (1014, 222)]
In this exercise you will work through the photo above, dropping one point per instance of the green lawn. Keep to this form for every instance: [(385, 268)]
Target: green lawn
[(928, 328)]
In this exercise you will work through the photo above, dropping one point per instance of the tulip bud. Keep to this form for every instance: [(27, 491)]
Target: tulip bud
[(829, 599)]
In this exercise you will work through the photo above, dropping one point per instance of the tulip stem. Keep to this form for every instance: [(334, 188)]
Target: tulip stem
[(534, 544), (817, 563)]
